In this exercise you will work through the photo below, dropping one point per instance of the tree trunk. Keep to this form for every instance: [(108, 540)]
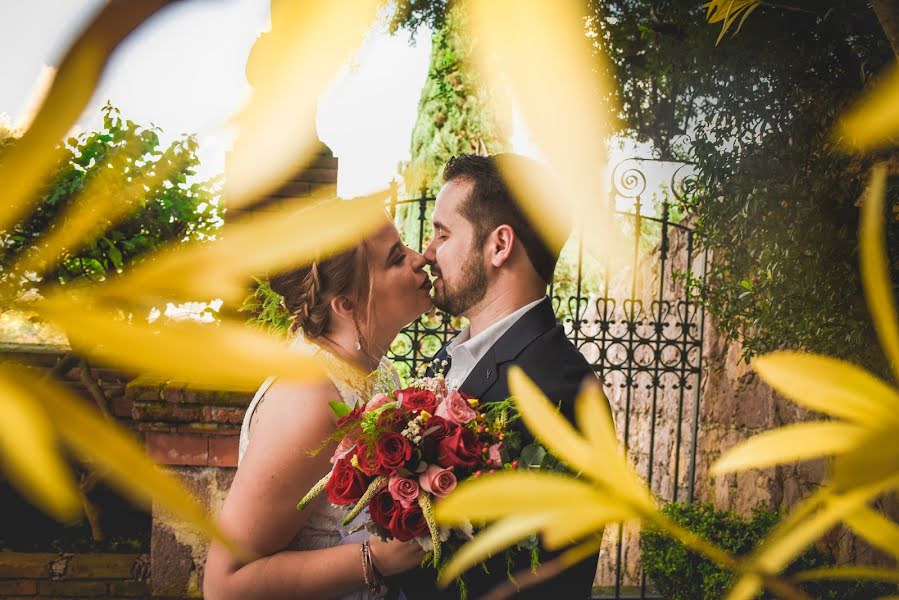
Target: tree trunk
[(887, 12)]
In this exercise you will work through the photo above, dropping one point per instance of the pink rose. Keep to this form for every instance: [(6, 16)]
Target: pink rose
[(377, 401), (456, 409), (345, 448), (437, 480), (494, 456), (404, 491)]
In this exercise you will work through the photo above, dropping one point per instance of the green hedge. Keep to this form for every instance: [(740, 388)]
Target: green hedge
[(679, 574)]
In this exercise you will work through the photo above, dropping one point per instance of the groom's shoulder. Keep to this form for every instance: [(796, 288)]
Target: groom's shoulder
[(554, 352)]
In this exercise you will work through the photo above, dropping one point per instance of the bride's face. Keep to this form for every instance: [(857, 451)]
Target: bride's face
[(400, 289)]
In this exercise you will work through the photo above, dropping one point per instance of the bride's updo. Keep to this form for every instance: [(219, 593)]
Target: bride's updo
[(308, 291)]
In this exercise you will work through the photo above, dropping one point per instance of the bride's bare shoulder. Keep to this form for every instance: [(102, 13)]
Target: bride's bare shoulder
[(289, 404)]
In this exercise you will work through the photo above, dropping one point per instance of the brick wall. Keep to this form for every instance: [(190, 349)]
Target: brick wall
[(47, 575)]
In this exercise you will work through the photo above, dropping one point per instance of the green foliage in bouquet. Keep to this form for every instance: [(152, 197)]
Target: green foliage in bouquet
[(680, 574)]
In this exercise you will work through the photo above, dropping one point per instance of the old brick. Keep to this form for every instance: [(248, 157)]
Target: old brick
[(73, 588), (177, 448), (25, 564), (223, 451), (226, 414), (163, 411), (128, 589), (18, 587), (121, 407), (101, 566)]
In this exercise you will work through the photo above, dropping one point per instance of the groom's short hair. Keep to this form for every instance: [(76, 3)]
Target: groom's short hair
[(492, 203)]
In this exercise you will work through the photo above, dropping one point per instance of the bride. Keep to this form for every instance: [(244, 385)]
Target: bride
[(346, 309)]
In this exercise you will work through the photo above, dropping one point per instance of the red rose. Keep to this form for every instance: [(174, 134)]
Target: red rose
[(437, 428), (392, 452), (382, 508), (391, 420), (459, 449), (417, 401), (346, 485), (408, 523)]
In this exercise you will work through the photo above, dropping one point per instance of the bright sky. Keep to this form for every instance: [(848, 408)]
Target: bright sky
[(184, 71)]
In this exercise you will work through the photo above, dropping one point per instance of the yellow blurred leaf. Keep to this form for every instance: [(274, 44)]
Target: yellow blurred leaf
[(594, 418), (228, 356), (289, 68), (849, 572), (728, 11), (33, 156), (746, 588), (799, 441), (516, 492), (564, 531), (28, 451), (489, 541), (121, 460), (876, 529), (875, 267), (556, 85), (264, 243), (831, 386), (876, 459), (873, 122), (551, 428)]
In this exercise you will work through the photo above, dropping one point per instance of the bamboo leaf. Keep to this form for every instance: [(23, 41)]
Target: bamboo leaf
[(875, 528), (565, 119), (575, 526), (516, 492), (550, 428), (874, 121), (876, 459), (289, 68), (799, 441), (849, 573), (875, 268), (746, 588), (831, 386), (489, 541), (121, 460), (28, 450), (225, 355), (31, 158), (278, 240)]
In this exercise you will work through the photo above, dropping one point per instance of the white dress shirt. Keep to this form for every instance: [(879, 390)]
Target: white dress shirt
[(466, 351)]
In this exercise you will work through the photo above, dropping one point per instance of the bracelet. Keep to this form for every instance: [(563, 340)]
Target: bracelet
[(369, 572)]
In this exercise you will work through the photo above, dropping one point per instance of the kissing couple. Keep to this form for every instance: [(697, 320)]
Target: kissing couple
[(489, 265)]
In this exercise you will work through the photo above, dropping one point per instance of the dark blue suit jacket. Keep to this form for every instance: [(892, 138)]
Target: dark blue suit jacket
[(537, 344)]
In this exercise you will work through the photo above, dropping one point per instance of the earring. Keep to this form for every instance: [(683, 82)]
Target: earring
[(358, 343)]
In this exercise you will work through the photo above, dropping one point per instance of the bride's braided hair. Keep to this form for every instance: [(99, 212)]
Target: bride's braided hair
[(308, 291)]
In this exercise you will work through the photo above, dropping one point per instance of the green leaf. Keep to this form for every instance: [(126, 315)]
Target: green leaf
[(532, 455), (339, 408)]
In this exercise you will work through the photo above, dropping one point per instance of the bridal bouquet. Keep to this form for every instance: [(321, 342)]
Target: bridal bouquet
[(399, 454)]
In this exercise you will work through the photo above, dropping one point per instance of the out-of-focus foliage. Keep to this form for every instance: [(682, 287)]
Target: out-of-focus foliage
[(678, 573), (181, 208)]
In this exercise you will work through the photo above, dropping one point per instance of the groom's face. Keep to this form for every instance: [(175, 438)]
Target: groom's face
[(455, 255)]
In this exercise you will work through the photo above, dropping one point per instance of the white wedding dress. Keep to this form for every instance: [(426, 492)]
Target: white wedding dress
[(323, 527)]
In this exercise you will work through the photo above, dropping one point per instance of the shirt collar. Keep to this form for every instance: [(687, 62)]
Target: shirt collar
[(478, 345)]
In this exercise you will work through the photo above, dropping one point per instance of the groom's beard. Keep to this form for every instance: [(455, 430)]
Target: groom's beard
[(471, 288)]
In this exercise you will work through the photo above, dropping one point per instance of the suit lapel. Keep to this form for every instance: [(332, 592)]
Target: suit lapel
[(529, 327)]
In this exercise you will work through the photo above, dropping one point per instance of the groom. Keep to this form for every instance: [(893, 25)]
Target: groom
[(491, 266)]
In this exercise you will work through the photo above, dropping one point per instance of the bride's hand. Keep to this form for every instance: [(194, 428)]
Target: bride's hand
[(394, 556)]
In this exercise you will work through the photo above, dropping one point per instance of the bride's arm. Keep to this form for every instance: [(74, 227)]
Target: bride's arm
[(260, 511)]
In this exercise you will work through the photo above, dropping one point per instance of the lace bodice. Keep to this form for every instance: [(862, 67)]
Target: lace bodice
[(323, 528)]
